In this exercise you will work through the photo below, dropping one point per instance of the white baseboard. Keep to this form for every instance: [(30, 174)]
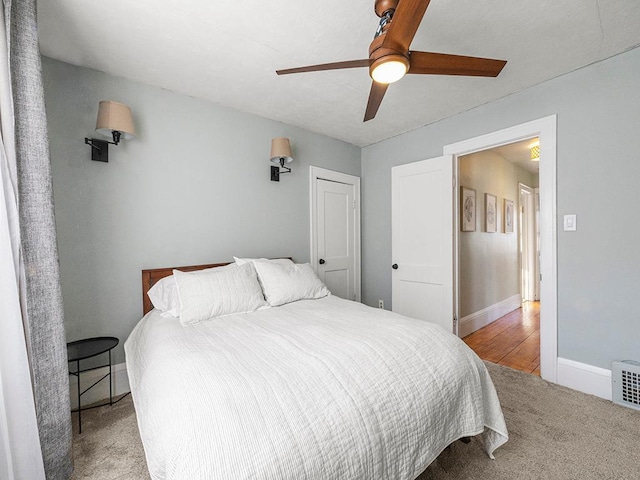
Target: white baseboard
[(584, 378), (477, 320), (119, 384)]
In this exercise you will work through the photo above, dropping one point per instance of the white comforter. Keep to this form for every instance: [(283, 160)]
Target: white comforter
[(316, 389)]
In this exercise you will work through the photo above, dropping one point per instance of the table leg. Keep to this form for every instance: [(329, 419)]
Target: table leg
[(110, 381), (79, 393)]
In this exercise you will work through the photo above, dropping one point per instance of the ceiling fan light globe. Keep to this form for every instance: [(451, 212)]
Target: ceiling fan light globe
[(389, 69)]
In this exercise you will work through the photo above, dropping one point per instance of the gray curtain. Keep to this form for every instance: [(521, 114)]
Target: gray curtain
[(44, 316)]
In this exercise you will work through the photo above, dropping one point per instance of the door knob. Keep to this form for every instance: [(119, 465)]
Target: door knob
[(394, 266), (321, 261)]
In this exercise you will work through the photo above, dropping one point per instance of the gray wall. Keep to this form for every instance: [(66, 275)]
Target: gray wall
[(489, 263), (192, 187), (598, 173)]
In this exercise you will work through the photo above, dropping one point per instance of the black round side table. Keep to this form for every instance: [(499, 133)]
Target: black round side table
[(87, 348)]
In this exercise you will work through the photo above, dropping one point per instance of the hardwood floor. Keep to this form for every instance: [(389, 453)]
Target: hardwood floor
[(513, 340)]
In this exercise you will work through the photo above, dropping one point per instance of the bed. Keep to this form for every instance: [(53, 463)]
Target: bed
[(321, 388)]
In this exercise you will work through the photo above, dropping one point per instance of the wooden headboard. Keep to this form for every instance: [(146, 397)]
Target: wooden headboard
[(150, 277)]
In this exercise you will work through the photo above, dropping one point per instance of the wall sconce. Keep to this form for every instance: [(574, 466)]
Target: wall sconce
[(280, 154), (114, 121)]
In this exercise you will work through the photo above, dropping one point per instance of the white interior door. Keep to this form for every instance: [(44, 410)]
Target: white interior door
[(537, 241), (335, 231), (528, 250), (422, 240)]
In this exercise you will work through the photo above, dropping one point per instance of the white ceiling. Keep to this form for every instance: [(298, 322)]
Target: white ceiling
[(227, 52)]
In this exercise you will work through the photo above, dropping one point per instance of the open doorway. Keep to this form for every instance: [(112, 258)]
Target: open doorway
[(498, 259), (544, 129)]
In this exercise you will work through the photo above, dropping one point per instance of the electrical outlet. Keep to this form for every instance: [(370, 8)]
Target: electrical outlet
[(380, 303)]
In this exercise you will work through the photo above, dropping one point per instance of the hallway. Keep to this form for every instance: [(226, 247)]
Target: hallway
[(512, 340)]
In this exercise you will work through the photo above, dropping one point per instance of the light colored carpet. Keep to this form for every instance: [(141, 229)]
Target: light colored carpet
[(555, 433), (109, 446)]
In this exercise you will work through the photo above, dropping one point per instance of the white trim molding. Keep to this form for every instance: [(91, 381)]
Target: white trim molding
[(119, 382), (481, 318), (584, 378)]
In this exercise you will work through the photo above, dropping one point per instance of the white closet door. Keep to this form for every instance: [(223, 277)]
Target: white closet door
[(336, 237), (422, 240)]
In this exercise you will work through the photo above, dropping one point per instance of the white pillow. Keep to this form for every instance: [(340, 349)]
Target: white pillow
[(242, 261), (164, 296), (217, 291), (286, 283)]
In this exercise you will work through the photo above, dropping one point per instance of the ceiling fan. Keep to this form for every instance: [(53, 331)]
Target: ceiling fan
[(390, 58)]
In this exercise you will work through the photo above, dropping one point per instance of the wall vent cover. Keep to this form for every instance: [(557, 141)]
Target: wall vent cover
[(626, 383)]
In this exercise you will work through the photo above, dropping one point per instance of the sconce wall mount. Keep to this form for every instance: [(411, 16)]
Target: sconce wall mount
[(114, 120), (99, 149), (280, 154)]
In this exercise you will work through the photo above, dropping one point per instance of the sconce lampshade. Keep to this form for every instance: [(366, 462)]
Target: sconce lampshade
[(114, 116), (281, 151)]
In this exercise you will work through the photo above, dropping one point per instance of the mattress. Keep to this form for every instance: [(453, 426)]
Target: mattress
[(315, 389)]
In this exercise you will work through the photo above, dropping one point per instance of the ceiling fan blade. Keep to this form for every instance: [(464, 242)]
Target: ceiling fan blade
[(404, 24), (427, 63), (326, 66), (375, 99)]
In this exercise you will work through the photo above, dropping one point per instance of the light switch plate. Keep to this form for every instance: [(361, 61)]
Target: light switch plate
[(570, 223)]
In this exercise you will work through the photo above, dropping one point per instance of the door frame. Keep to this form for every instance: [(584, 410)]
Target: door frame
[(318, 173), (546, 129)]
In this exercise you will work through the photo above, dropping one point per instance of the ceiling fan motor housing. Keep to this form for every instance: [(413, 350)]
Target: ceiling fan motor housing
[(379, 54)]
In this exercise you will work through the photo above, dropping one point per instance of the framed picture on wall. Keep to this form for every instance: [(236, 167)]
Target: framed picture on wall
[(490, 212), (467, 209), (508, 216)]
